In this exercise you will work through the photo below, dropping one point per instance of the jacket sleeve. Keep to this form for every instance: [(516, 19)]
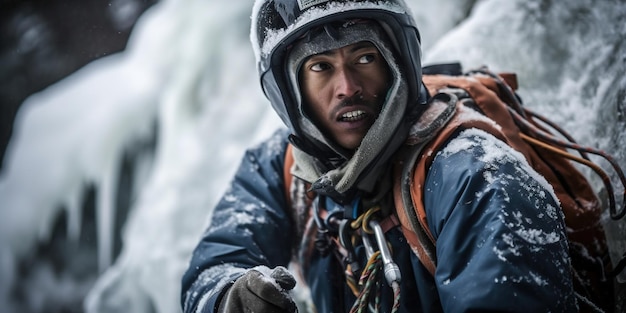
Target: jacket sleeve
[(500, 236), (249, 227)]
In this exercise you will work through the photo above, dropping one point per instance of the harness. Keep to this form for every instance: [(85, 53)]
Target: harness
[(333, 229), (338, 229)]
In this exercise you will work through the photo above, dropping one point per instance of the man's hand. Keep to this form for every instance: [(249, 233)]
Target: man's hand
[(261, 290)]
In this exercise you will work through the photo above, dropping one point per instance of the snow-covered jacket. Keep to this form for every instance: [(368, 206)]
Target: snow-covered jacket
[(500, 236)]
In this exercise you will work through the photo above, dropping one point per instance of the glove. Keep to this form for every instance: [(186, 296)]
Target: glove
[(260, 290)]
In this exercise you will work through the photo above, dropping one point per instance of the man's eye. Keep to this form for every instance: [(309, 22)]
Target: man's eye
[(368, 58), (318, 67)]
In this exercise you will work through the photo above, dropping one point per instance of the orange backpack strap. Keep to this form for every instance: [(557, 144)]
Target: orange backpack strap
[(298, 202), (287, 177), (297, 195), (411, 173)]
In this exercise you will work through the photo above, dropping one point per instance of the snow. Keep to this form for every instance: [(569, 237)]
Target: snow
[(206, 276), (272, 38), (495, 154), (188, 79)]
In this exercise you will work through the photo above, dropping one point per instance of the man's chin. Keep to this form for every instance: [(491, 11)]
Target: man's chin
[(351, 142)]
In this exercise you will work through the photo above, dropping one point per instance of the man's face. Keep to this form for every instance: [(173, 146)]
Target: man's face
[(344, 90)]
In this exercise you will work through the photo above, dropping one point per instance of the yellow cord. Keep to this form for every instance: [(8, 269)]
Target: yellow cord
[(364, 219)]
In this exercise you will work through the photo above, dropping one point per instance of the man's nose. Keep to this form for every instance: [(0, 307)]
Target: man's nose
[(347, 83)]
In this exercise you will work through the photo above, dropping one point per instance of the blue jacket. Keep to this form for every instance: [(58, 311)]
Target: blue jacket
[(500, 237)]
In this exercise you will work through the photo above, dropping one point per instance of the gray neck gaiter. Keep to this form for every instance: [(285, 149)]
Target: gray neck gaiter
[(345, 176)]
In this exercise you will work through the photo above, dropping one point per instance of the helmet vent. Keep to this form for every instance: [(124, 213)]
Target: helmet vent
[(305, 4)]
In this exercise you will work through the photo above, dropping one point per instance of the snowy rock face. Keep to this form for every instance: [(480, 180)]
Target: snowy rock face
[(183, 101)]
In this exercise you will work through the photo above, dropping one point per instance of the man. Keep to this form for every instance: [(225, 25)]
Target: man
[(345, 77)]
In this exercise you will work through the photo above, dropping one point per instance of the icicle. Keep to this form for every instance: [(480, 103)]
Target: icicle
[(74, 215), (105, 212)]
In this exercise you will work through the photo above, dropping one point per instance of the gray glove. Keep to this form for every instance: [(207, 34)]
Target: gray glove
[(260, 290)]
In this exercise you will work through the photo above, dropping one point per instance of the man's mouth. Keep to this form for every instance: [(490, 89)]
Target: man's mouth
[(352, 116)]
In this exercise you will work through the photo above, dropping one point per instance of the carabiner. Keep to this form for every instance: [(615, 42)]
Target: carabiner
[(346, 242), (367, 244), (321, 226), (392, 271)]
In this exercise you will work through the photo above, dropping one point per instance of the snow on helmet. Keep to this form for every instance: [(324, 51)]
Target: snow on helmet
[(277, 25)]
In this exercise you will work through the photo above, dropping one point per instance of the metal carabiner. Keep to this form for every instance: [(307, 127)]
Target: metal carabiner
[(367, 244), (319, 201), (346, 242), (392, 271)]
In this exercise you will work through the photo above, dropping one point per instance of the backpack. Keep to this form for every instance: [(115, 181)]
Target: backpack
[(527, 132), (494, 96)]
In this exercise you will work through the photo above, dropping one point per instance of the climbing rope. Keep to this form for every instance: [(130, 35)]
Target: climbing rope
[(535, 132), (543, 138), (368, 280), (363, 220), (547, 141)]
